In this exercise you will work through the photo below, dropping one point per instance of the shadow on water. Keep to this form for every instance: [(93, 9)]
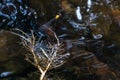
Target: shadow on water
[(90, 30)]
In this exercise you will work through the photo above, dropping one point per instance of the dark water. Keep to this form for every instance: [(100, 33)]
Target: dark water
[(89, 28)]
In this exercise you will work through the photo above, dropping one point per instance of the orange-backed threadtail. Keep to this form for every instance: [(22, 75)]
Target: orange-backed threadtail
[(45, 28), (50, 21)]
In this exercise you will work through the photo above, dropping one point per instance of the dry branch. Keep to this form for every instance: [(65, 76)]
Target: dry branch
[(43, 54)]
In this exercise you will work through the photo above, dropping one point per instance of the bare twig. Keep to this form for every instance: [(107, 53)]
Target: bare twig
[(42, 55)]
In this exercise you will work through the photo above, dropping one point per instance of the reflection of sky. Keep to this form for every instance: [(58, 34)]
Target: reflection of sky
[(78, 13), (89, 3), (92, 16), (5, 74), (12, 13), (108, 1)]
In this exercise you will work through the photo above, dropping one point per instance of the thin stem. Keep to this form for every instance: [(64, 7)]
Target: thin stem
[(36, 61)]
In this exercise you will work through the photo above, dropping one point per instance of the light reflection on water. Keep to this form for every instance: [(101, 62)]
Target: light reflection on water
[(96, 15), (78, 13)]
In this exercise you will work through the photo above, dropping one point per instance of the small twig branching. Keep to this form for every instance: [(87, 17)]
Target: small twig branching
[(42, 54)]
